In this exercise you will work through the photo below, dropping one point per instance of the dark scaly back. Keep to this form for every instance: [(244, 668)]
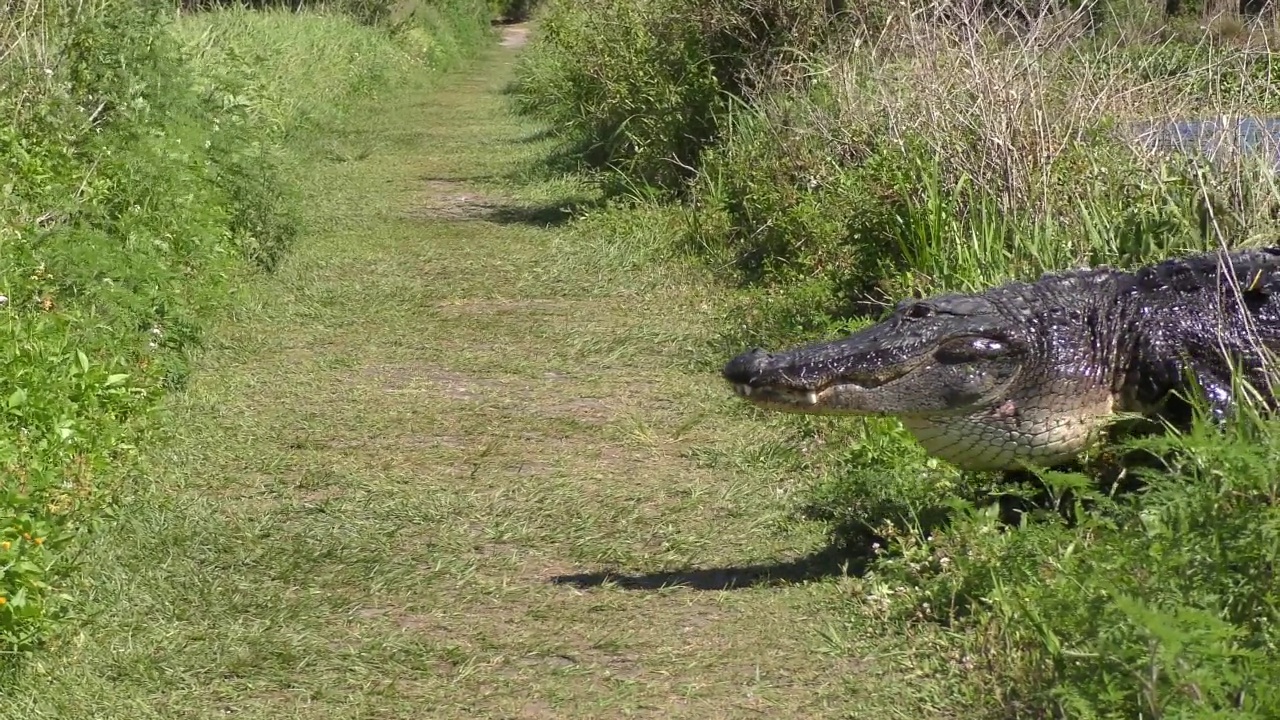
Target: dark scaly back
[(1071, 321), (1200, 314)]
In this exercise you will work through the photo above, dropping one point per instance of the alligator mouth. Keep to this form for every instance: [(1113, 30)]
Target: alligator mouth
[(794, 398), (842, 378)]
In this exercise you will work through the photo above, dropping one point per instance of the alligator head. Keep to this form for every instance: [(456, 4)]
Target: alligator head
[(949, 355)]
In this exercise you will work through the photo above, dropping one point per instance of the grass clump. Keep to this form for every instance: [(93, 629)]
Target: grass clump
[(642, 87), (1158, 605), (143, 173)]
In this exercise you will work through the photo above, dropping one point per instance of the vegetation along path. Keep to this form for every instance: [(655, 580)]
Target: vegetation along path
[(408, 468)]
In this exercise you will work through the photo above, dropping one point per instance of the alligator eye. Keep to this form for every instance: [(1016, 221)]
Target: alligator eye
[(918, 311)]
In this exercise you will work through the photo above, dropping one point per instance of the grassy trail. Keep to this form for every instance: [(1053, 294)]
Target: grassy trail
[(405, 469)]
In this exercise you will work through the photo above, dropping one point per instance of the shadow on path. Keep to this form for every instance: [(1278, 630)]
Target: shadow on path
[(542, 216), (836, 560)]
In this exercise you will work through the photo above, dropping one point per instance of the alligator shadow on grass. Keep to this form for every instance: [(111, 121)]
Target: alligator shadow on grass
[(452, 199), (850, 549), (538, 136), (848, 553), (541, 216)]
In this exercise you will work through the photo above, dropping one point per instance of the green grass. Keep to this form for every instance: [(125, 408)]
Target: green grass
[(137, 180), (118, 245), (299, 73), (439, 406), (461, 457), (294, 70)]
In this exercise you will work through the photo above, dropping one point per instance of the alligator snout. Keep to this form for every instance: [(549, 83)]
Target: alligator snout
[(746, 367)]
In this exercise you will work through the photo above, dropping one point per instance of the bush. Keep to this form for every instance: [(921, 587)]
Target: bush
[(116, 247), (512, 10), (642, 86), (136, 177)]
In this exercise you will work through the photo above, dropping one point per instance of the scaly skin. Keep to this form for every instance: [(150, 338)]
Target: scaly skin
[(1030, 374)]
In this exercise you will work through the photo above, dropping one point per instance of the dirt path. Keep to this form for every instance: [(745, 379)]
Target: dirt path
[(441, 467)]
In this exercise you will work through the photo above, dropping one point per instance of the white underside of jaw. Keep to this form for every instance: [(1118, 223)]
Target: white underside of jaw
[(1037, 436)]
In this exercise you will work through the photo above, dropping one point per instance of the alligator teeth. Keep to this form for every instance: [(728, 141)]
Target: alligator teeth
[(812, 397), (744, 390)]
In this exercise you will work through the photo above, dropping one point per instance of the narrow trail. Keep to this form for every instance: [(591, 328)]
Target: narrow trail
[(408, 467)]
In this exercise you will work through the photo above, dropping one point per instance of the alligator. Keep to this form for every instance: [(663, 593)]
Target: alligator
[(1032, 374)]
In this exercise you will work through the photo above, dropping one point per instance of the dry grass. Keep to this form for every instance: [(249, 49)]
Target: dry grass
[(1003, 151), (1007, 111)]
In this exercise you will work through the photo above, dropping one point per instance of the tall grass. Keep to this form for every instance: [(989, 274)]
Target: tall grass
[(955, 154), (933, 148), (296, 72), (141, 178), (639, 88)]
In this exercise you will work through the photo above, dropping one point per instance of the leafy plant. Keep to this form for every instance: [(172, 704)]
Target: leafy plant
[(138, 173)]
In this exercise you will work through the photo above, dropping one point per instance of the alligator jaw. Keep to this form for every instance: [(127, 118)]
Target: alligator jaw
[(947, 356), (841, 377), (796, 400)]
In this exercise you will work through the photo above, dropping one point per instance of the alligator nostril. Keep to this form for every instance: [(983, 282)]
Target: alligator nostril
[(745, 366)]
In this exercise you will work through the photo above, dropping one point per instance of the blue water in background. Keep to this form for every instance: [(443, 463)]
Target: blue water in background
[(1209, 138)]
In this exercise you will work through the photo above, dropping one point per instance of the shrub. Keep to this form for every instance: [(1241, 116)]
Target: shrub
[(642, 86), (512, 10), (115, 249), (136, 176)]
